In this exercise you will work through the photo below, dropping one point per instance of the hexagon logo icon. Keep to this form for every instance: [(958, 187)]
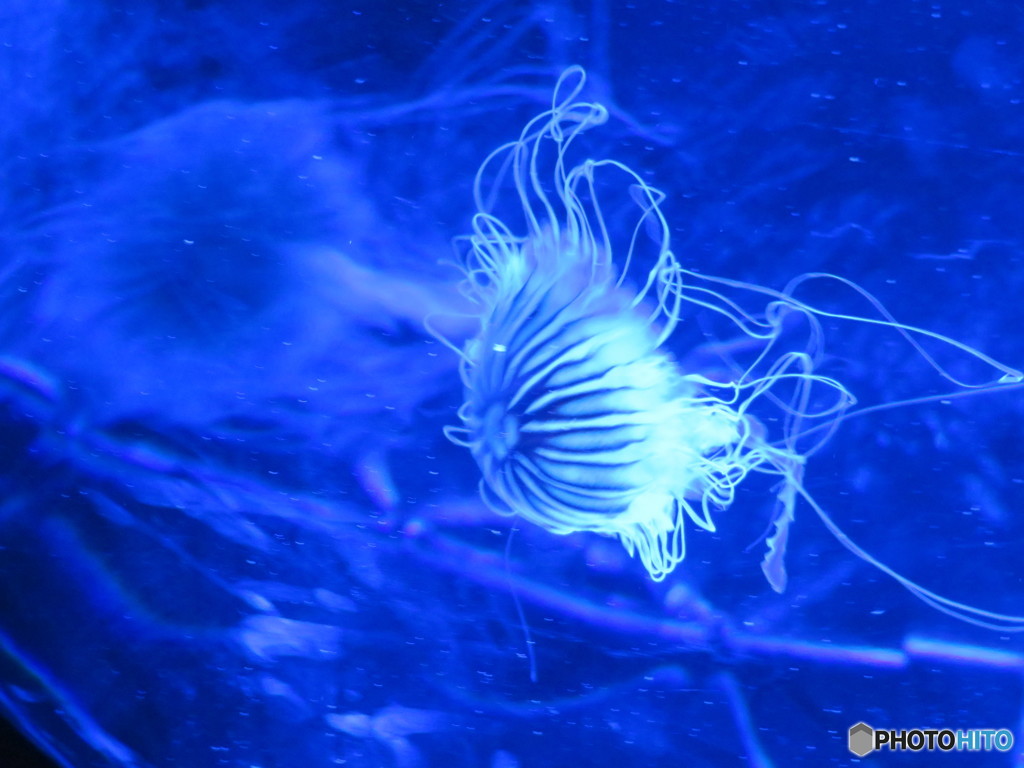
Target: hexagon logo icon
[(861, 739)]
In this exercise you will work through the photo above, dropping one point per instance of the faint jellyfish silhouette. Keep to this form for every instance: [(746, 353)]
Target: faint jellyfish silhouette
[(392, 726), (576, 413), (199, 278)]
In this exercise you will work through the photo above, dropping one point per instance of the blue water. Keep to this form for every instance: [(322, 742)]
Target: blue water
[(232, 532)]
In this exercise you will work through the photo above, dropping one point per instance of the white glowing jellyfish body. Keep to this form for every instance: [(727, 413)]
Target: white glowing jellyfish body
[(579, 419)]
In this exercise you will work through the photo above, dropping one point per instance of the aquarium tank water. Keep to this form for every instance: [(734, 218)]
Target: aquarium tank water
[(485, 384)]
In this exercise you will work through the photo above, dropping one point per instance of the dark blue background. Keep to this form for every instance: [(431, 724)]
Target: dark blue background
[(231, 531)]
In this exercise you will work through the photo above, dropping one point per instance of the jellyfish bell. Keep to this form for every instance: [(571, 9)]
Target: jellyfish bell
[(576, 412)]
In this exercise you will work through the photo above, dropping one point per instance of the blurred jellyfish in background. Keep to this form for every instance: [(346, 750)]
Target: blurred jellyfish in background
[(233, 532)]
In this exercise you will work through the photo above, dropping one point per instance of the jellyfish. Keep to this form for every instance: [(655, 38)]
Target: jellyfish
[(576, 412)]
